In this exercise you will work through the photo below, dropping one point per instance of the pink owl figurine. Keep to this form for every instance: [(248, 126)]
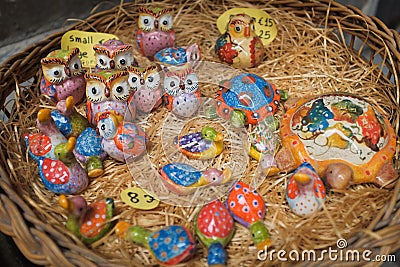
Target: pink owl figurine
[(147, 89), (114, 54), (63, 75), (155, 30)]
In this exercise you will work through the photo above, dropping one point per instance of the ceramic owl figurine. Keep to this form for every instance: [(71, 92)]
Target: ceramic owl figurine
[(63, 75), (182, 94), (114, 54), (106, 91), (155, 30), (147, 89), (240, 45)]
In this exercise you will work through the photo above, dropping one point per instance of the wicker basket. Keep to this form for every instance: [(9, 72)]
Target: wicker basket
[(44, 243)]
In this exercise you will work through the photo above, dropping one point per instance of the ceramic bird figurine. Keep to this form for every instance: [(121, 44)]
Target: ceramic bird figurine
[(168, 246), (240, 46), (183, 179), (121, 140), (63, 175), (63, 75), (155, 30), (214, 227), (114, 54), (89, 222), (305, 191), (248, 208), (147, 88), (202, 145)]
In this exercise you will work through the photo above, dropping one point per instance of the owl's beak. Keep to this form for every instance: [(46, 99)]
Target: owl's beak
[(247, 31), (156, 23), (141, 81), (112, 64), (182, 85), (67, 71), (107, 92)]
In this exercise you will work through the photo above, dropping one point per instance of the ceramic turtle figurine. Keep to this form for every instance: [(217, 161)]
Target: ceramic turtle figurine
[(248, 208), (169, 246), (183, 179), (246, 99), (344, 137), (214, 227)]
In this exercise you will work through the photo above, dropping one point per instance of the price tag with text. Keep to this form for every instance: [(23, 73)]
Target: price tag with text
[(139, 199), (264, 24), (85, 41)]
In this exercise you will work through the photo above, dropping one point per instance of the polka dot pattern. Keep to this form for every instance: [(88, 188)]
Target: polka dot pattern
[(95, 220)]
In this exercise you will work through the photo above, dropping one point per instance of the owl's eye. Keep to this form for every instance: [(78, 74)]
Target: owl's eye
[(238, 28), (146, 22), (103, 127), (122, 61), (56, 73), (150, 79), (75, 65), (252, 27), (166, 22), (134, 79), (101, 61), (121, 90), (95, 91), (191, 83), (171, 85)]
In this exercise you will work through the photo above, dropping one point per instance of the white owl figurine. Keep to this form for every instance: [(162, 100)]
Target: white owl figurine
[(63, 75), (146, 85), (155, 30), (107, 91), (182, 94), (114, 54)]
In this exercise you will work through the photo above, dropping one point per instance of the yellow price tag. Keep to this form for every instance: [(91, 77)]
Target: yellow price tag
[(264, 24), (139, 199), (85, 41)]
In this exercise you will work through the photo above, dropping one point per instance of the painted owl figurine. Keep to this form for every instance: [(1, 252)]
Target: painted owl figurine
[(147, 89), (182, 94), (155, 30), (106, 91), (240, 45), (114, 54), (63, 75)]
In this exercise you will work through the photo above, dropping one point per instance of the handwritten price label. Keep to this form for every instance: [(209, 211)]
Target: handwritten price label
[(264, 24), (139, 199)]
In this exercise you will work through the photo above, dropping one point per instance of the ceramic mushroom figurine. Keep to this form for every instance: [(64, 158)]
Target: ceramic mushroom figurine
[(168, 246), (246, 99), (248, 208), (114, 54), (240, 46), (89, 222), (214, 227), (63, 75), (203, 145), (344, 137), (183, 179), (305, 191)]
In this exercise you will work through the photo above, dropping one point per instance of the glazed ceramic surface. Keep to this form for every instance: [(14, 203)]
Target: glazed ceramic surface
[(114, 54), (239, 45), (175, 56)]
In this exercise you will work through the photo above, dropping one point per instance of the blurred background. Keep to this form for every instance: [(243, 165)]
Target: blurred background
[(24, 22)]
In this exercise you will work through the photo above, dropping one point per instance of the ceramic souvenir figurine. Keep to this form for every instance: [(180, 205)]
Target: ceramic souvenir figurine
[(106, 91), (183, 179), (263, 145), (246, 99), (175, 56), (248, 208), (169, 246), (63, 75), (240, 45), (155, 30), (114, 54), (305, 191), (343, 136), (214, 227), (121, 140), (63, 175), (89, 222), (203, 145), (147, 88)]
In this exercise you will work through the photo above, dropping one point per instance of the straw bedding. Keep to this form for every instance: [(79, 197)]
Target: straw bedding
[(305, 59)]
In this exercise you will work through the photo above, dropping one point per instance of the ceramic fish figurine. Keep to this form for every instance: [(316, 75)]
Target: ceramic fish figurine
[(169, 246), (248, 208), (114, 54), (183, 179), (155, 30), (175, 56), (214, 227), (63, 175), (240, 46), (89, 222), (246, 99), (344, 137), (305, 191), (121, 140), (202, 145), (63, 75)]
